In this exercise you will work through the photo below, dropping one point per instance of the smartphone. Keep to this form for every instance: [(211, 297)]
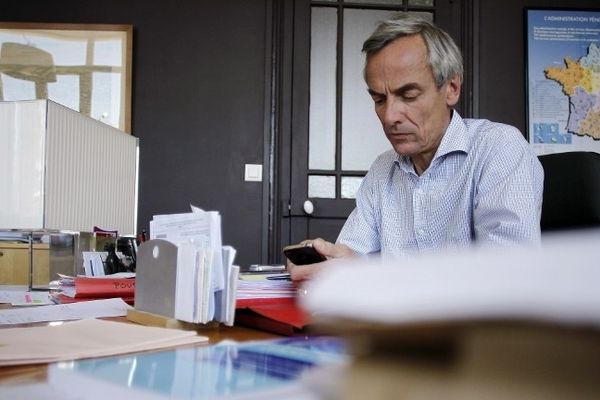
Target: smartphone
[(302, 254), (266, 268)]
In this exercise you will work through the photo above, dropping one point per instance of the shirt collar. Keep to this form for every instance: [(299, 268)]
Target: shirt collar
[(455, 139)]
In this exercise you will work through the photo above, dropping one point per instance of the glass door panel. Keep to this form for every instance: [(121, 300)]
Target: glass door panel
[(362, 136), (335, 134), (322, 124)]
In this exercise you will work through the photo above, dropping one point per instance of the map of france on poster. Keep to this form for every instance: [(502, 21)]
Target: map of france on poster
[(563, 80)]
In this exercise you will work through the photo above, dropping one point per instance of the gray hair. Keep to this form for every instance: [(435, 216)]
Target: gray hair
[(443, 55)]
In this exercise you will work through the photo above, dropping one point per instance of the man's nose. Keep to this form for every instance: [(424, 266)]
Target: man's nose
[(394, 112)]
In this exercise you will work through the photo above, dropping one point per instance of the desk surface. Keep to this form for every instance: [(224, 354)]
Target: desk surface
[(37, 373)]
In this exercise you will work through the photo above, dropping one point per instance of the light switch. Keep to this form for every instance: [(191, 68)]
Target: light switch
[(253, 173)]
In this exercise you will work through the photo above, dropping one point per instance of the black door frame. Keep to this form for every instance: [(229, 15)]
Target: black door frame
[(289, 104)]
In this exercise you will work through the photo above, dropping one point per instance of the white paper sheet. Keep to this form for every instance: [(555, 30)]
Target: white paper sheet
[(63, 312), (202, 228), (25, 298)]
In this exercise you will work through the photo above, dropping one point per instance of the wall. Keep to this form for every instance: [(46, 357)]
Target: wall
[(197, 102)]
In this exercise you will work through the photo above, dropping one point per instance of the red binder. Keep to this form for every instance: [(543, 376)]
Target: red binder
[(104, 287), (85, 288), (62, 299), (278, 315)]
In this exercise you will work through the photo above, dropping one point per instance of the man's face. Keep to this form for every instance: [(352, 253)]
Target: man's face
[(413, 111)]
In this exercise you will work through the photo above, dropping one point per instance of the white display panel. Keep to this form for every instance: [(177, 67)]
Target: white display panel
[(62, 170)]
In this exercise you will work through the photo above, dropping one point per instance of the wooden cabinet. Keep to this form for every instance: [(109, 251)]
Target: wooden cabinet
[(14, 264)]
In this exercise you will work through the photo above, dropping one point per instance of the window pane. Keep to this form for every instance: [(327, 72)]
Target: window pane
[(350, 186), (362, 136), (321, 186), (321, 155), (105, 97), (108, 52), (17, 89), (62, 91), (420, 2)]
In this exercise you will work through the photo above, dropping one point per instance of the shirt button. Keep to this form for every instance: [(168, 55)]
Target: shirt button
[(421, 231)]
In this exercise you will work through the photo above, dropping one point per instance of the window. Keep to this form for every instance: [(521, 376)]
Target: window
[(345, 135)]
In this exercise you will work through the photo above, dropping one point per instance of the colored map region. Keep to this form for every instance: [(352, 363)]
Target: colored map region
[(580, 81)]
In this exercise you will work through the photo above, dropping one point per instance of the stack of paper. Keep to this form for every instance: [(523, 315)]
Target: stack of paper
[(206, 278), (19, 297), (64, 312), (268, 302), (84, 339), (93, 262), (225, 298), (252, 288), (200, 228), (82, 288)]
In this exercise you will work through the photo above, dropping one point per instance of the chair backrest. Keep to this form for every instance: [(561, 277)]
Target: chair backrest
[(571, 190)]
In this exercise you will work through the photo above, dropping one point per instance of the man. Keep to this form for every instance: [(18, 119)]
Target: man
[(448, 182)]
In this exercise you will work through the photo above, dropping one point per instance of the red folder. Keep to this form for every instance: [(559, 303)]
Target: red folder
[(62, 299), (104, 287), (279, 315)]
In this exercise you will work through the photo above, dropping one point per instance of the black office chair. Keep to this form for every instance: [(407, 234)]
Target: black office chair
[(571, 190)]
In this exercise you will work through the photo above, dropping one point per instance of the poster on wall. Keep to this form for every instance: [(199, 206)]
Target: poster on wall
[(563, 80), (86, 67)]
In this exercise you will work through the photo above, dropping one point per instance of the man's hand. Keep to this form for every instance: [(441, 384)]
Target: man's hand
[(328, 249)]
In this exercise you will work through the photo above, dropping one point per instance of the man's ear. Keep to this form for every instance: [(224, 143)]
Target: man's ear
[(453, 91)]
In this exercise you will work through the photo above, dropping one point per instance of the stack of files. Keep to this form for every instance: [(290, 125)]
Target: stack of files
[(263, 289), (268, 302), (197, 298), (226, 297), (84, 288), (516, 323), (206, 278)]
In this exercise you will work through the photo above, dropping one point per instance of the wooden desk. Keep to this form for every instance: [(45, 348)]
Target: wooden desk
[(37, 373)]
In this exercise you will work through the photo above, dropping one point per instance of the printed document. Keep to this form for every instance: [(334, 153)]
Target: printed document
[(115, 307)]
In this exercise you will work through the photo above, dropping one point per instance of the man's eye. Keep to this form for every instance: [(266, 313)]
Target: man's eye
[(411, 96), (378, 100)]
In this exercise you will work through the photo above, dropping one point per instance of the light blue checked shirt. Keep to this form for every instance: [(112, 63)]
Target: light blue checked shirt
[(484, 186)]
